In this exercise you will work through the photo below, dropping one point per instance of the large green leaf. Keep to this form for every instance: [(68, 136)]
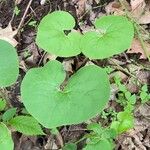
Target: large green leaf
[(52, 38), (26, 125), (113, 35), (85, 94), (6, 142), (9, 66)]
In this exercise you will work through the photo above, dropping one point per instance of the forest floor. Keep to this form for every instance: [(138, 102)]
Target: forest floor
[(131, 66)]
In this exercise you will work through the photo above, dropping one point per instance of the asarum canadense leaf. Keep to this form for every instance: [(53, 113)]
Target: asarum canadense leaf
[(26, 125), (9, 65), (53, 105), (6, 142), (55, 36), (113, 35)]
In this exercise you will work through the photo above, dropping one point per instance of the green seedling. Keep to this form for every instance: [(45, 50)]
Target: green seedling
[(109, 113), (124, 122), (144, 94), (16, 10), (100, 138), (32, 23), (125, 119)]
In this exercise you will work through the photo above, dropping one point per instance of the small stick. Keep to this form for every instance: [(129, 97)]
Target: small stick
[(24, 15)]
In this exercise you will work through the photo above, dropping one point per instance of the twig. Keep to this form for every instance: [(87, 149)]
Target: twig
[(24, 15)]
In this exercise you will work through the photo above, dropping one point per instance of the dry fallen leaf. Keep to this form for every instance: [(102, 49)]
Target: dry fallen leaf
[(137, 48), (137, 3), (145, 18), (8, 34), (82, 6), (138, 7), (140, 10), (112, 7)]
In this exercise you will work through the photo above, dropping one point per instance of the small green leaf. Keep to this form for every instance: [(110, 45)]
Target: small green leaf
[(109, 133), (132, 99), (125, 122), (26, 125), (9, 66), (103, 144), (6, 142), (143, 95), (9, 114), (96, 128), (53, 105), (110, 37), (2, 104), (115, 125), (51, 35), (70, 146), (126, 125), (127, 95), (144, 88)]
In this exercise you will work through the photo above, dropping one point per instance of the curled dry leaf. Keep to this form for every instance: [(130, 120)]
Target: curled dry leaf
[(8, 34), (137, 48)]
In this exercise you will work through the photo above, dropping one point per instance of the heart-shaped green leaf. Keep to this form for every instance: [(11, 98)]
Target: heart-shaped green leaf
[(52, 38), (6, 142), (9, 66), (85, 94), (113, 35)]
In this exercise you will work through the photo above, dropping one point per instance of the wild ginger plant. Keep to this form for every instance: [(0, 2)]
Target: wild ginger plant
[(86, 93)]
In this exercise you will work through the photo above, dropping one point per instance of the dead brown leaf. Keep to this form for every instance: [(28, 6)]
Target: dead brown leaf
[(135, 4), (137, 48), (82, 6), (8, 34), (141, 11), (145, 18), (138, 8)]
